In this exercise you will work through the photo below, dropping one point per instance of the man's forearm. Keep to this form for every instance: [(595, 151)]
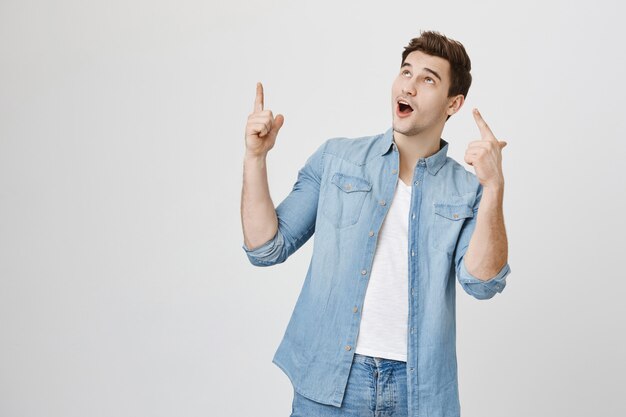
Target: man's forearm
[(487, 252), (258, 215)]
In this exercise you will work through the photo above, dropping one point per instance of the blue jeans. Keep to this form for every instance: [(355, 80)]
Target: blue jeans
[(376, 388)]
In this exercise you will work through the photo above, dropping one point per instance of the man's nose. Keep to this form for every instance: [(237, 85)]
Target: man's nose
[(408, 90)]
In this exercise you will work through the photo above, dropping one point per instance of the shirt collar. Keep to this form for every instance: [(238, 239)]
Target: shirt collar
[(433, 162)]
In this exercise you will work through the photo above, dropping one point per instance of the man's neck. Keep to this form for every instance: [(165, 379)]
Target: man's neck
[(412, 148)]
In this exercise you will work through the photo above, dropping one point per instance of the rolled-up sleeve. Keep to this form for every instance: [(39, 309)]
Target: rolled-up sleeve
[(296, 215), (482, 289), (478, 288), (268, 253)]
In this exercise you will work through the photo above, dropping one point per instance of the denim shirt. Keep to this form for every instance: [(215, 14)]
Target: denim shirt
[(342, 195)]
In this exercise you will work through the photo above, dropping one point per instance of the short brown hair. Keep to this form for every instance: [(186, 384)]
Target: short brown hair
[(436, 44)]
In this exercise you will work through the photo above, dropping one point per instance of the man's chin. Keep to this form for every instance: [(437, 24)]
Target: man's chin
[(405, 130)]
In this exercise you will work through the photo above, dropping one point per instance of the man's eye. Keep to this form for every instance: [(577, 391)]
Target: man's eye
[(429, 80), (405, 72)]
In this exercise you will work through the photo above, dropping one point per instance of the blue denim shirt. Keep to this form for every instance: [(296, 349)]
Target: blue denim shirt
[(342, 194)]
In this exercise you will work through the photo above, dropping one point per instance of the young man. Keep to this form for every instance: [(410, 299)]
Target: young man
[(395, 221)]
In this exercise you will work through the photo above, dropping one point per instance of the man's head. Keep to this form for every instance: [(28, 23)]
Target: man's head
[(434, 79)]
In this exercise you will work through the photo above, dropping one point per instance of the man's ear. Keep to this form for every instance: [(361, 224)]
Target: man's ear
[(454, 104)]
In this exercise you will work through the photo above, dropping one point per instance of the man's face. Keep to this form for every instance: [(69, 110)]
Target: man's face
[(422, 83)]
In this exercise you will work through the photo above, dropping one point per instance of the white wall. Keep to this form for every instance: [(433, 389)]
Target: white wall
[(124, 290)]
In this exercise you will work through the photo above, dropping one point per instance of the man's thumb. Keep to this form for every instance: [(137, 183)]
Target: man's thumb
[(279, 120)]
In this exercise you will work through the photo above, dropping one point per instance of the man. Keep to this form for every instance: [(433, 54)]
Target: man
[(395, 220)]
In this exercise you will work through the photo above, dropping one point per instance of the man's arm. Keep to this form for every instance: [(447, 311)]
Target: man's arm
[(481, 263), (488, 248), (272, 235), (489, 283), (258, 217)]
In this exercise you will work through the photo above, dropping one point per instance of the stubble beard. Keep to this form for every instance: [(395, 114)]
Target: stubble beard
[(412, 130)]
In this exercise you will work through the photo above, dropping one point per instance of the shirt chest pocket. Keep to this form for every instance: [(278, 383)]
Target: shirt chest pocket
[(344, 199), (447, 220)]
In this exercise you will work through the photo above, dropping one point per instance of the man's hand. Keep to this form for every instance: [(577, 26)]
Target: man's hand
[(485, 155), (262, 127)]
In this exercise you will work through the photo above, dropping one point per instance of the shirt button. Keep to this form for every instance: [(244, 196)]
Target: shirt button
[(363, 272), (393, 171), (417, 182), (413, 216), (371, 233), (382, 202), (355, 309), (348, 347), (456, 216), (412, 253), (348, 186)]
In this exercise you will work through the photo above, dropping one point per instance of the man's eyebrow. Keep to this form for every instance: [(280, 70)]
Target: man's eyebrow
[(433, 72), (406, 64)]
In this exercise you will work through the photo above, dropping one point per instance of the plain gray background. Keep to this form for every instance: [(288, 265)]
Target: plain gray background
[(124, 290)]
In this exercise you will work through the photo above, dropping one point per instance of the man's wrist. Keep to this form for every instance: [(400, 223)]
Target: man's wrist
[(496, 187), (255, 161), (492, 194), (252, 157)]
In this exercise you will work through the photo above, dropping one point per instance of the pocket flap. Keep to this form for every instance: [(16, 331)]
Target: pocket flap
[(454, 211), (349, 183)]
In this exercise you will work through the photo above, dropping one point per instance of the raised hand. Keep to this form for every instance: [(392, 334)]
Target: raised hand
[(485, 155), (262, 126)]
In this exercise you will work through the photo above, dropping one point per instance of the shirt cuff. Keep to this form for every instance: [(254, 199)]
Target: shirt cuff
[(496, 283), (267, 252)]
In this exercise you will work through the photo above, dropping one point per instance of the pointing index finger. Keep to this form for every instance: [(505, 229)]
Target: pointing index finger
[(258, 101), (485, 132)]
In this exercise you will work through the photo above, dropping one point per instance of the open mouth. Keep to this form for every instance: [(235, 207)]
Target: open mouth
[(404, 108)]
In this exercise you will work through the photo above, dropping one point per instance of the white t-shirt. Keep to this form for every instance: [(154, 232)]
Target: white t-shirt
[(384, 319)]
